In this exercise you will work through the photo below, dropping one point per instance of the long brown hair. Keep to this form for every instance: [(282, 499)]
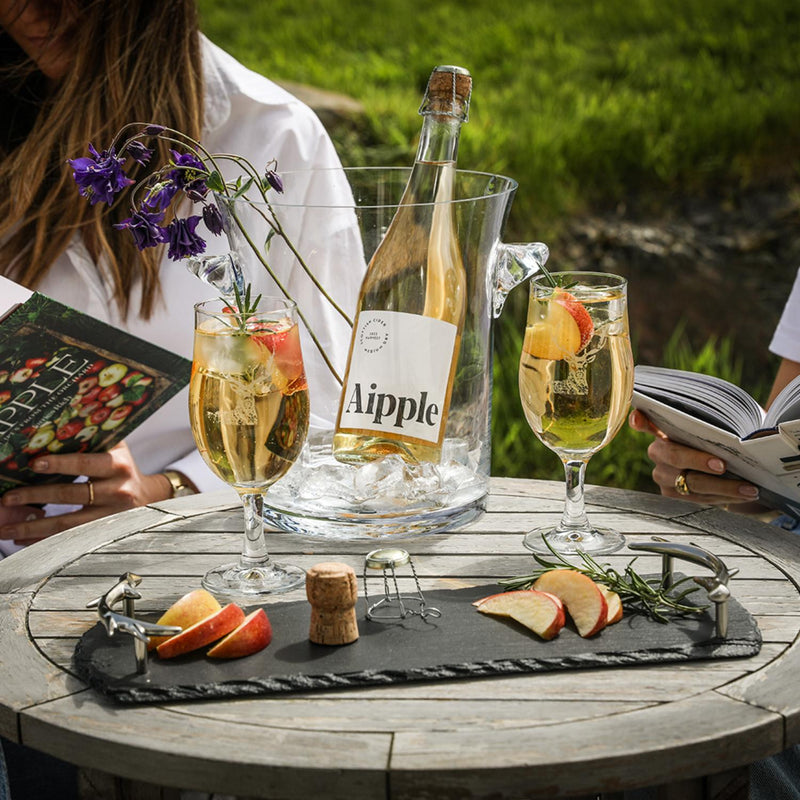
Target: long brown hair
[(135, 61)]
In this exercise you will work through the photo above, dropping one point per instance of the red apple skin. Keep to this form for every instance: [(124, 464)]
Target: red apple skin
[(254, 634), (185, 612), (109, 392), (579, 314), (202, 633), (614, 604)]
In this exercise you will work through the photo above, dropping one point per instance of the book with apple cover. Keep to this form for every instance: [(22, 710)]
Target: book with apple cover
[(71, 383), (718, 417)]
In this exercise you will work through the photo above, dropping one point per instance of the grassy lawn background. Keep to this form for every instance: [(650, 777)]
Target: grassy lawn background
[(584, 103)]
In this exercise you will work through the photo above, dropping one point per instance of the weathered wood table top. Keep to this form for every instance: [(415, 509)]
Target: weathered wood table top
[(563, 733)]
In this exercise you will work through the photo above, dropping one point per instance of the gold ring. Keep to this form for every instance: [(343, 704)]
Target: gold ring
[(90, 501), (681, 487)]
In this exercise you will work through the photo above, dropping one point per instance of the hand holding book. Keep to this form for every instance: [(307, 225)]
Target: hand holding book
[(703, 473), (71, 388), (711, 423)]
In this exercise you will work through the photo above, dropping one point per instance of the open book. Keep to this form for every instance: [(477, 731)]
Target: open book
[(70, 383), (714, 415)]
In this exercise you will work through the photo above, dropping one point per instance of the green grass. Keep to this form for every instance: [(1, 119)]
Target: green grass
[(586, 104)]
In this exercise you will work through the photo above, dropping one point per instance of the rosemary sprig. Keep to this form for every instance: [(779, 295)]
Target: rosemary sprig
[(562, 283), (245, 305), (649, 596)]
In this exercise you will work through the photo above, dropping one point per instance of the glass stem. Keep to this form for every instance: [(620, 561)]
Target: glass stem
[(254, 549), (574, 511)]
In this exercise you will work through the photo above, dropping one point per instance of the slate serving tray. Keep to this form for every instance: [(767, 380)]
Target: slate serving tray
[(463, 643)]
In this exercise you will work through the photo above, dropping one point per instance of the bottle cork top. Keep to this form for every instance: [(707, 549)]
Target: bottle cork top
[(331, 584), (448, 92)]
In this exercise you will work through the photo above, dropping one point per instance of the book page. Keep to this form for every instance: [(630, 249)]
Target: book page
[(11, 295), (715, 400), (786, 406)]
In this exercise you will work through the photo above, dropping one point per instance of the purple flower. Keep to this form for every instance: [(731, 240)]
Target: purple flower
[(153, 130), (145, 228), (100, 176), (274, 180), (138, 152), (189, 174), (160, 195), (212, 219), (183, 241)]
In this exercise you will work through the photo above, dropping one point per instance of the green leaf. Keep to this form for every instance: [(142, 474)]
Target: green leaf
[(240, 190), (134, 392), (214, 182)]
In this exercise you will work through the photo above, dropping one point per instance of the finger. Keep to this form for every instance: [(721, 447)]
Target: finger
[(731, 489), (74, 494), (678, 456), (704, 488), (95, 465), (31, 531), (710, 499), (641, 422), (11, 515)]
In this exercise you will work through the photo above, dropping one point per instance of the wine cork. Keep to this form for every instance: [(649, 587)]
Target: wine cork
[(449, 81), (332, 590), (448, 92)]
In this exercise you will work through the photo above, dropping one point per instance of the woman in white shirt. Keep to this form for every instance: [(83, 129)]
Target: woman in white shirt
[(99, 67)]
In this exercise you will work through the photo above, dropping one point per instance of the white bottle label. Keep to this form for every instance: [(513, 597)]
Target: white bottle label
[(399, 373)]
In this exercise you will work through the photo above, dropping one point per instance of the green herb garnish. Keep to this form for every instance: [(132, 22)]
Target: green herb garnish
[(245, 307), (649, 596)]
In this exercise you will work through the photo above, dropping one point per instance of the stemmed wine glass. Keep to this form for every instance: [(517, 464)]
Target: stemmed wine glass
[(575, 383), (248, 403)]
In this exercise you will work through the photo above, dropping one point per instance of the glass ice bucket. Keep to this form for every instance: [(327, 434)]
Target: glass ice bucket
[(331, 222)]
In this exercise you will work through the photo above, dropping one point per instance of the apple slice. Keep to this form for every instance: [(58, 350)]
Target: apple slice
[(614, 604), (252, 635), (565, 330), (555, 597), (582, 597), (202, 633), (282, 340), (535, 610), (191, 608)]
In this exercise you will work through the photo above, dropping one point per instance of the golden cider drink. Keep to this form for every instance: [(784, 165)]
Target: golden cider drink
[(578, 403), (248, 402)]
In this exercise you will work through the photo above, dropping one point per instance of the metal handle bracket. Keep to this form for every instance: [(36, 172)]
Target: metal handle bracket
[(114, 622), (716, 585)]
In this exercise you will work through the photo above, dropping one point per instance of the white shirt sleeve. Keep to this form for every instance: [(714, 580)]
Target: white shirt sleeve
[(786, 340)]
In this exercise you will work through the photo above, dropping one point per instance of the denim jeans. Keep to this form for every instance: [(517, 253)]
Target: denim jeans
[(32, 775), (5, 793)]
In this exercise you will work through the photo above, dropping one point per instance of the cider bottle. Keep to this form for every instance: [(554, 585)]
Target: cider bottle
[(410, 314)]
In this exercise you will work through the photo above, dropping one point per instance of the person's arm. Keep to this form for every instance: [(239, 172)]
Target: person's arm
[(702, 471), (787, 372)]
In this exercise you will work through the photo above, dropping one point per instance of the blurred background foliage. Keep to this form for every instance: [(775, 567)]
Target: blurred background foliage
[(587, 103)]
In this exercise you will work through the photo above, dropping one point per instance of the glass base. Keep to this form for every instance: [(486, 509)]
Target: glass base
[(386, 499), (594, 541), (234, 580)]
